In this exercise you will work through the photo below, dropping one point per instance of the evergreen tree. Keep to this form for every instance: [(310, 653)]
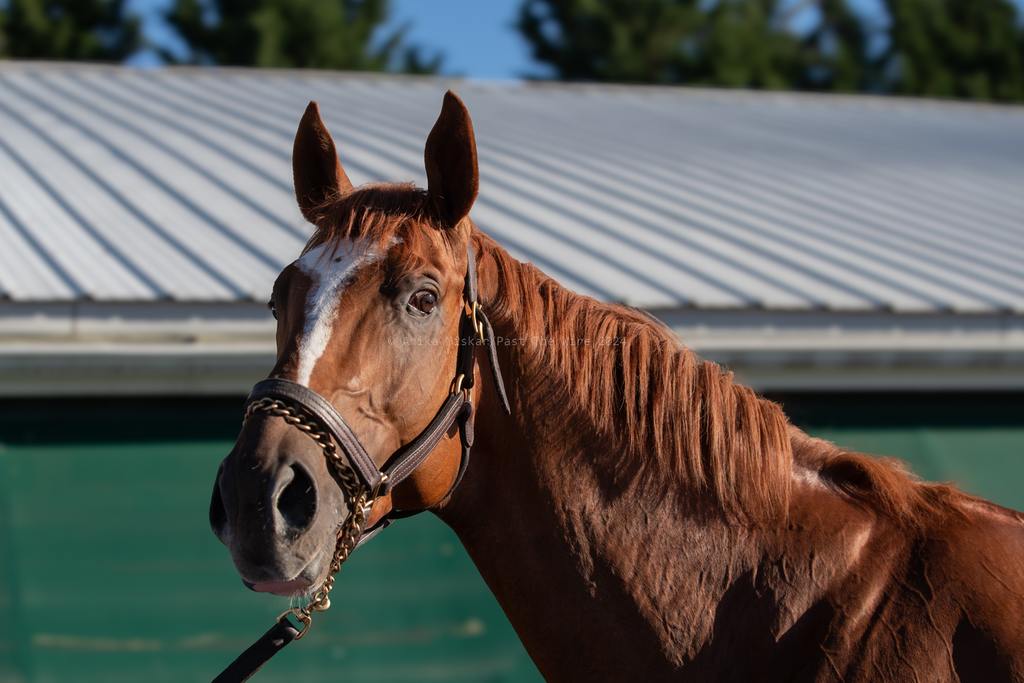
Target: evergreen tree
[(837, 52), (325, 34), (953, 48), (95, 30), (647, 41), (736, 43), (956, 48), (743, 45)]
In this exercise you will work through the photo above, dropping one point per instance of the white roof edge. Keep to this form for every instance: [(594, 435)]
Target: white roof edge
[(211, 369), (169, 348), (86, 324)]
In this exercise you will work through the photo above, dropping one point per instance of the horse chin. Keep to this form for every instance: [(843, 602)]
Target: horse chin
[(304, 583), (294, 588)]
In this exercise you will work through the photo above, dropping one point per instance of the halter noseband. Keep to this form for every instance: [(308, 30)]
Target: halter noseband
[(356, 471)]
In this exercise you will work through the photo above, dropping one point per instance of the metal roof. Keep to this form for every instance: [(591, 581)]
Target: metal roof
[(130, 185)]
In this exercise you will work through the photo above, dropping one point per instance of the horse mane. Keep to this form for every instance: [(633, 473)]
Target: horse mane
[(672, 421), (676, 421), (669, 418)]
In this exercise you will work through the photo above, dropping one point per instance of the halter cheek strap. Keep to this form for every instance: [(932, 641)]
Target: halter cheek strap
[(311, 412)]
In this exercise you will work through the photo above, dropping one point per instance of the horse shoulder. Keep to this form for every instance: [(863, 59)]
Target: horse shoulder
[(942, 600), (976, 558)]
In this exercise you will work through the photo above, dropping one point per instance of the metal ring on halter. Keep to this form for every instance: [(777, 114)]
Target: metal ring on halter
[(302, 617)]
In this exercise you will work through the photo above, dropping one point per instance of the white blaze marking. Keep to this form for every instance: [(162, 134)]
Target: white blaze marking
[(330, 268)]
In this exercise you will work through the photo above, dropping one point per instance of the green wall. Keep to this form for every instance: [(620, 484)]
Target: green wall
[(108, 571)]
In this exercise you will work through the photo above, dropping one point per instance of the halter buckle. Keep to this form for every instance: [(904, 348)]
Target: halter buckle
[(478, 325), (375, 494)]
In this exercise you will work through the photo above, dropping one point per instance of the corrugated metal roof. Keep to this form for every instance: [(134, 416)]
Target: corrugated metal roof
[(128, 185)]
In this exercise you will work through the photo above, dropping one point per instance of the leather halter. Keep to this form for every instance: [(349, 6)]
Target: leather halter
[(457, 409)]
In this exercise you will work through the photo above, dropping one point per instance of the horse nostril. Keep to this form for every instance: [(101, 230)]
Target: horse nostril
[(297, 500), (218, 513)]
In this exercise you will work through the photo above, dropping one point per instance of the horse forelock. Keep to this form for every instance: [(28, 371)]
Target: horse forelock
[(381, 216)]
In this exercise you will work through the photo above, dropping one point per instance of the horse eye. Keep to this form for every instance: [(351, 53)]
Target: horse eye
[(423, 301), (273, 308)]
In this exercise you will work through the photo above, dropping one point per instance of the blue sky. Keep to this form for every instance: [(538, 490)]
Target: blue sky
[(476, 36)]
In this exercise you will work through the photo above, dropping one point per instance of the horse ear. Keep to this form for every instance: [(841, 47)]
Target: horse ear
[(315, 165), (450, 157)]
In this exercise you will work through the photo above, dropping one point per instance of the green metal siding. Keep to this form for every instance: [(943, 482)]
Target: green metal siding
[(108, 571), (111, 573)]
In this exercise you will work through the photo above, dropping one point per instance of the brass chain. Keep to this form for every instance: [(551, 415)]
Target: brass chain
[(351, 529)]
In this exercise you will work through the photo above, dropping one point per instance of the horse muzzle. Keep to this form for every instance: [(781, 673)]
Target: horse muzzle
[(276, 508)]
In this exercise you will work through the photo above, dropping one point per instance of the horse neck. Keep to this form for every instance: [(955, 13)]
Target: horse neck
[(573, 552)]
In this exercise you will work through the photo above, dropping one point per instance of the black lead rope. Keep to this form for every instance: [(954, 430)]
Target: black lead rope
[(259, 653), (457, 409)]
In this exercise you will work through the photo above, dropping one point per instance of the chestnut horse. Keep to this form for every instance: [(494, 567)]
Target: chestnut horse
[(639, 515)]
